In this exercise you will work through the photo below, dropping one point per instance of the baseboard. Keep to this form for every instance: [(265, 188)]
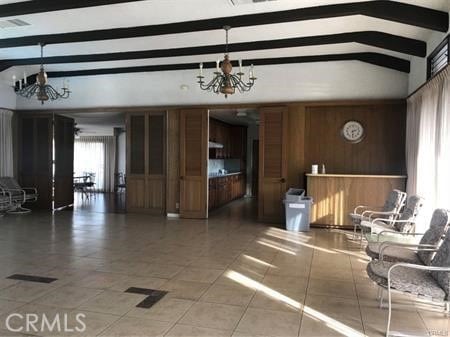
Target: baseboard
[(173, 215)]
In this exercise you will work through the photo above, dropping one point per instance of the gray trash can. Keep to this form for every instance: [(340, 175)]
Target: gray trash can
[(298, 208)]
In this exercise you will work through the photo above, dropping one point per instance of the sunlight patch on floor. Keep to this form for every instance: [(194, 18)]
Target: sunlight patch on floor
[(276, 245), (327, 320), (261, 262)]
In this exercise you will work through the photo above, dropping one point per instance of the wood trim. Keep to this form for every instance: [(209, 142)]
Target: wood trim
[(383, 9), (372, 38), (44, 6), (128, 109), (382, 60)]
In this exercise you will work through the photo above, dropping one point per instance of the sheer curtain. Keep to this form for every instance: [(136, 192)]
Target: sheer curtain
[(96, 155), (6, 146), (428, 143)]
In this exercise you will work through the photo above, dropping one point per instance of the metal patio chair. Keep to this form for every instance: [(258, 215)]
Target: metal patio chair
[(19, 195)]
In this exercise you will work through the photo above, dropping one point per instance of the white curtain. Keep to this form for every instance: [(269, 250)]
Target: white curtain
[(96, 155), (428, 143), (6, 145)]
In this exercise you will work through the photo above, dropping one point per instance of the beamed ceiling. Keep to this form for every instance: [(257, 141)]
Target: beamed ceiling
[(109, 37)]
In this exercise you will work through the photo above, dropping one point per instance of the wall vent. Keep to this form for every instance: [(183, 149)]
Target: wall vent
[(247, 2), (13, 23)]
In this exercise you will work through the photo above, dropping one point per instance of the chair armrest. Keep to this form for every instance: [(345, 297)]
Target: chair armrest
[(396, 233), (369, 214), (34, 189), (355, 211), (410, 246), (9, 190)]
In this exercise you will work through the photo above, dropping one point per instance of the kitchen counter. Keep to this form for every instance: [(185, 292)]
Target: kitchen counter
[(224, 175)]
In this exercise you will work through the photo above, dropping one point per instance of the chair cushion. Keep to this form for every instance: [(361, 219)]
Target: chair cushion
[(394, 201), (413, 281), (442, 259), (392, 253), (409, 213), (433, 236)]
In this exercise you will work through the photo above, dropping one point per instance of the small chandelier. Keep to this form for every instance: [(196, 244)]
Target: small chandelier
[(41, 89), (224, 81)]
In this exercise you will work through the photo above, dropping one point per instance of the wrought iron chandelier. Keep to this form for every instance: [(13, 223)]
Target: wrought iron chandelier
[(41, 89), (224, 81)]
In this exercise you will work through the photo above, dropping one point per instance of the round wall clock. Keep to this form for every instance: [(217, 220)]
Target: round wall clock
[(353, 132)]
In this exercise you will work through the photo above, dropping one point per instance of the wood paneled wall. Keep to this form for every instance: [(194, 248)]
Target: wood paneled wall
[(314, 138), (173, 161)]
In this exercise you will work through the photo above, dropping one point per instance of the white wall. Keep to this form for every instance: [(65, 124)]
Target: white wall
[(7, 96), (283, 83)]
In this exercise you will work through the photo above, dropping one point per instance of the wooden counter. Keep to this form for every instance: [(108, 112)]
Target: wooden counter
[(336, 195)]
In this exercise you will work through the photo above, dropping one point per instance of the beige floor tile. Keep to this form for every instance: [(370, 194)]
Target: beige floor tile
[(328, 314), (437, 322), (18, 322), (67, 297), (199, 275), (136, 327), (167, 310), (99, 280), (278, 283), (138, 282), (161, 271), (8, 306), (25, 291), (5, 283), (112, 302), (185, 289), (280, 300), (332, 288), (269, 323), (405, 320), (234, 294), (332, 273), (94, 323), (212, 315), (183, 330)]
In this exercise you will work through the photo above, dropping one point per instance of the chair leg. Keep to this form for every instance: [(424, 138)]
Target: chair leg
[(389, 310), (382, 299), (18, 209), (447, 307)]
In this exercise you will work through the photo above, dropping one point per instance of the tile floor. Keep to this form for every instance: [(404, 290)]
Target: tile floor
[(229, 276)]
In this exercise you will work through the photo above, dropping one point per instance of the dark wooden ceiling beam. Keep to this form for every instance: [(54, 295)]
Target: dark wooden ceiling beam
[(386, 10), (378, 59), (43, 6), (377, 39)]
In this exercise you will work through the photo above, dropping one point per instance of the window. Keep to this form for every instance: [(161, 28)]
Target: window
[(438, 59)]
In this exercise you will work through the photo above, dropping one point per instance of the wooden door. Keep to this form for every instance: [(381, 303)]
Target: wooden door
[(272, 163), (35, 157), (64, 149), (146, 162), (194, 163)]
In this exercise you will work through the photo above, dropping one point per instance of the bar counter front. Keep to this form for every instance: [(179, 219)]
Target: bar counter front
[(336, 195)]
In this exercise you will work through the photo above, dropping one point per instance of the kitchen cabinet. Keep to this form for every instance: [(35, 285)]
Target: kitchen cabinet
[(224, 189), (232, 137)]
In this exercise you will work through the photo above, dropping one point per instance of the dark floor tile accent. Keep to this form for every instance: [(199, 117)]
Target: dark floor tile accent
[(141, 291), (32, 278), (152, 299), (153, 296)]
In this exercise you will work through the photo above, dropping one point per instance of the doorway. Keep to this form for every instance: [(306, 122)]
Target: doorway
[(232, 162), (99, 176)]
